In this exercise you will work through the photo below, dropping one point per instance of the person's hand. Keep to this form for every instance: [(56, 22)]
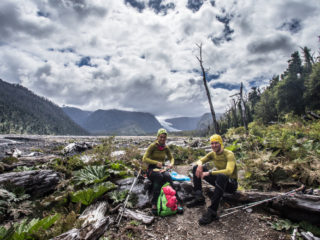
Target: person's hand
[(204, 174), (170, 166), (199, 171), (159, 165)]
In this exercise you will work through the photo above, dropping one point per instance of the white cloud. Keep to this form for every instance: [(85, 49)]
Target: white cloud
[(144, 61)]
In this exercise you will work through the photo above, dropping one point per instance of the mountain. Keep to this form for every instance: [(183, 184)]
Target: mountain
[(21, 111), (77, 115), (206, 120), (184, 123), (117, 122)]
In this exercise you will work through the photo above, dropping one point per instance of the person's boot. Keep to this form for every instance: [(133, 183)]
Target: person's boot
[(197, 201), (208, 217)]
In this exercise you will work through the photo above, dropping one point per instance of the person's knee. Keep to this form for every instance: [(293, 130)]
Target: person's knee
[(222, 179)]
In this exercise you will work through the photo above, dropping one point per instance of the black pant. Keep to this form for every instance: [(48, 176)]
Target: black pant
[(158, 179), (221, 182)]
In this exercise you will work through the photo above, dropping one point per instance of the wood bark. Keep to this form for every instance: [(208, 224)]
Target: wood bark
[(215, 124), (297, 207), (29, 161), (137, 215), (37, 183), (94, 226)]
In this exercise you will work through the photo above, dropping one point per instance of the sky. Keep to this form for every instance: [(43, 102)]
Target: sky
[(141, 55)]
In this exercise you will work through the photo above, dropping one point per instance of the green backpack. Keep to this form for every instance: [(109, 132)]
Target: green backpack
[(163, 210)]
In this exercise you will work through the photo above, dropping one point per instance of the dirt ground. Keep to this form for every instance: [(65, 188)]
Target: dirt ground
[(242, 225)]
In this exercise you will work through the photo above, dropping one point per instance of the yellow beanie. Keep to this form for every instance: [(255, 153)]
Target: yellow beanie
[(161, 131), (216, 138)]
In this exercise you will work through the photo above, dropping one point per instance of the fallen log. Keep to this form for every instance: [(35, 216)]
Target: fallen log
[(94, 225), (29, 161), (137, 215), (36, 183), (296, 207)]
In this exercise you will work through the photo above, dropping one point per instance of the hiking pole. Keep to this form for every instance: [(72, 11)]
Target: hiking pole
[(119, 217), (249, 205)]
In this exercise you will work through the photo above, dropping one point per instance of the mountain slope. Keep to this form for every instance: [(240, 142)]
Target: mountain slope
[(21, 111), (77, 115), (184, 123), (121, 122)]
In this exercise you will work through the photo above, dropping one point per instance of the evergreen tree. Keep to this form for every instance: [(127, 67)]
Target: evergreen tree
[(312, 84)]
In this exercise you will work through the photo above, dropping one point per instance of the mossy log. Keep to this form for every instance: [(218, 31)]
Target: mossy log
[(29, 161), (94, 225), (36, 183), (296, 207)]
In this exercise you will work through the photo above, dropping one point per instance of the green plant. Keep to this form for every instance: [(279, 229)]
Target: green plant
[(9, 160), (118, 196), (90, 175), (233, 147), (29, 229), (87, 196)]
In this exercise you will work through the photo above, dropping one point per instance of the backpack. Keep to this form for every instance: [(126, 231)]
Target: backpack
[(167, 201)]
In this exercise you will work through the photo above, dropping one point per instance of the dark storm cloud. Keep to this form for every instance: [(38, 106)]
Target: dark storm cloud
[(12, 24), (136, 4), (279, 42), (43, 71), (293, 26), (194, 5), (159, 7)]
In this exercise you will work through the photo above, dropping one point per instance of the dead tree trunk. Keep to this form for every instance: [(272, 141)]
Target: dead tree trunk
[(37, 183), (94, 225), (243, 108), (215, 124), (297, 207)]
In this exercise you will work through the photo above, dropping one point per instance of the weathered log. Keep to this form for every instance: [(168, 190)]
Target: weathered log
[(94, 225), (297, 207), (29, 161), (36, 183), (137, 215)]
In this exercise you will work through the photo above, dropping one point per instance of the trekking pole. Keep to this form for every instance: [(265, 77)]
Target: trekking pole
[(119, 217), (249, 205)]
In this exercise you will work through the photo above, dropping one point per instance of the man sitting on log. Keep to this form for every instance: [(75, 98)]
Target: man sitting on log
[(224, 178)]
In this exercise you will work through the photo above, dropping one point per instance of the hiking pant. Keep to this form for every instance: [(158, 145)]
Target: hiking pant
[(221, 182), (158, 179)]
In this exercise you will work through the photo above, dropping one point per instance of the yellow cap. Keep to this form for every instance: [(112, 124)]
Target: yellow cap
[(161, 131), (216, 138)]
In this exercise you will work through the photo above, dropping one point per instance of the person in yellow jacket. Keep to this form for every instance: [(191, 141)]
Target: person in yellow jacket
[(224, 178), (155, 157)]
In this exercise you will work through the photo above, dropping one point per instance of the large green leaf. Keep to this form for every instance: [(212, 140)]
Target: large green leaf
[(90, 175), (87, 196)]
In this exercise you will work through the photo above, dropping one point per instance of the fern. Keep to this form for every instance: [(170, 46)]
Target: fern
[(90, 175), (87, 196), (26, 230)]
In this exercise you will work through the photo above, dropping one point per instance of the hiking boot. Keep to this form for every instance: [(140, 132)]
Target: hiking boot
[(208, 217), (196, 202)]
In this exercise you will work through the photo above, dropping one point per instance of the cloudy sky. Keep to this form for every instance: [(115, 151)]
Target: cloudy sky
[(140, 55)]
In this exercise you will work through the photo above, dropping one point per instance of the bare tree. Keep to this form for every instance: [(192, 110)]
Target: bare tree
[(215, 124), (242, 106)]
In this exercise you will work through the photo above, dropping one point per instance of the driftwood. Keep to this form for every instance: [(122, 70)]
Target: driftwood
[(37, 183), (137, 215), (297, 207), (29, 161), (94, 225)]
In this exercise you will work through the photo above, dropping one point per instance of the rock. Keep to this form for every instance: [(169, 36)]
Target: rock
[(77, 147), (15, 152)]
